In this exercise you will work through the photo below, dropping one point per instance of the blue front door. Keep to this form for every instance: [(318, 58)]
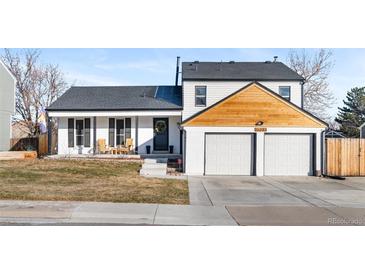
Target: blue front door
[(160, 134)]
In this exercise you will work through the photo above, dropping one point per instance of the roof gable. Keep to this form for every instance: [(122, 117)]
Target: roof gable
[(251, 104)]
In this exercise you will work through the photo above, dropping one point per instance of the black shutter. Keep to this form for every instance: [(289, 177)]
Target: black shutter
[(71, 132), (111, 131), (87, 133), (128, 124)]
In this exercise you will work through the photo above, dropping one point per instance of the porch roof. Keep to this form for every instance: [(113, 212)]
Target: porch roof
[(119, 98)]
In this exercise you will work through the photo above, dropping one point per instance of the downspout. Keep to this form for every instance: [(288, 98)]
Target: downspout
[(302, 94), (323, 154)]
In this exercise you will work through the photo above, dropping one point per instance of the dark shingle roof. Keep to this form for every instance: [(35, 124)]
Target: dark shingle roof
[(238, 71), (120, 98)]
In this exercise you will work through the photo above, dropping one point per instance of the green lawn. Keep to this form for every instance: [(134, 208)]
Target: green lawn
[(86, 180)]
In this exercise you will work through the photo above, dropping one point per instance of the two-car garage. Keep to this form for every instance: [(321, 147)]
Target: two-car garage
[(253, 131), (236, 154)]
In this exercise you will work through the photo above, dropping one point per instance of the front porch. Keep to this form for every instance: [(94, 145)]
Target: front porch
[(150, 134)]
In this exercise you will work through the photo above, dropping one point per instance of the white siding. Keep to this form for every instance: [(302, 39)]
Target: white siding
[(174, 133), (7, 106), (194, 151), (7, 90), (217, 90), (102, 128), (5, 130), (145, 133)]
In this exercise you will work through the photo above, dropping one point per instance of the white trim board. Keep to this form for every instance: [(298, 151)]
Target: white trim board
[(111, 113)]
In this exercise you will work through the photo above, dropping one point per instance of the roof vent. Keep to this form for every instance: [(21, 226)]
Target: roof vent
[(231, 62), (267, 62), (275, 59), (219, 66), (196, 62)]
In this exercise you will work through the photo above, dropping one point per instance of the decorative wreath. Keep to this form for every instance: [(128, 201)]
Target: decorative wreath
[(160, 126)]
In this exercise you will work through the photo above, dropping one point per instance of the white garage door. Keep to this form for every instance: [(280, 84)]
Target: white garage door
[(228, 154), (288, 154)]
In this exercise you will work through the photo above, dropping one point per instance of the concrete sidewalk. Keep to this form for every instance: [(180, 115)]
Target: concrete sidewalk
[(92, 213)]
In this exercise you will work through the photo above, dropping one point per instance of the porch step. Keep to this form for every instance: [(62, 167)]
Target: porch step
[(152, 167), (150, 161), (153, 171), (155, 160)]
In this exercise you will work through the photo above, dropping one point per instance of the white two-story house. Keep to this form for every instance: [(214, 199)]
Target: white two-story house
[(7, 105), (226, 118)]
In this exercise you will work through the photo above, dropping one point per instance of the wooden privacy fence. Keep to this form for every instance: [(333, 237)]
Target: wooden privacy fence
[(345, 157), (39, 144)]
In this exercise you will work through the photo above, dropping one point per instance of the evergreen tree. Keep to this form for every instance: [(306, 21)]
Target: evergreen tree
[(352, 115)]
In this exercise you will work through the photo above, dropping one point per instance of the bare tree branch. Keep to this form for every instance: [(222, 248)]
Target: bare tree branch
[(315, 70), (37, 85)]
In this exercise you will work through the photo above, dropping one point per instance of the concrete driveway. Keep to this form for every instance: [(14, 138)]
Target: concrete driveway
[(283, 200)]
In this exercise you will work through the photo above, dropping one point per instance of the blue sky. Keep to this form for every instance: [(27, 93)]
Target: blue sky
[(157, 66)]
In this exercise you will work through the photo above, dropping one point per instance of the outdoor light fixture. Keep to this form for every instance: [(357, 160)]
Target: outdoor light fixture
[(259, 123)]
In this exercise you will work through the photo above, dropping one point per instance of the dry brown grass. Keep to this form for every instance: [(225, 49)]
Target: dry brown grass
[(86, 180)]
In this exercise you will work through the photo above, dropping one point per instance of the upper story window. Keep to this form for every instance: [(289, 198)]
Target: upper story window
[(284, 91), (200, 96)]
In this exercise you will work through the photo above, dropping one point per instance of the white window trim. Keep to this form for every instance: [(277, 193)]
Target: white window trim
[(124, 130), (83, 133), (286, 97), (200, 96)]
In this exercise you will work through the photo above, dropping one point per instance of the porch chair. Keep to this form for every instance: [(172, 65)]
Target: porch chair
[(129, 144), (102, 148)]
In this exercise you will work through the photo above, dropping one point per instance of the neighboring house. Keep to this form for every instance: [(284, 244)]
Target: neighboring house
[(227, 118), (362, 131), (7, 105), (19, 129)]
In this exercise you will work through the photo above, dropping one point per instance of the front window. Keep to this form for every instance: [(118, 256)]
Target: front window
[(285, 92), (120, 132), (79, 132), (200, 96)]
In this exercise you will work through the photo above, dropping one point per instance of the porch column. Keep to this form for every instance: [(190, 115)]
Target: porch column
[(94, 135), (136, 137)]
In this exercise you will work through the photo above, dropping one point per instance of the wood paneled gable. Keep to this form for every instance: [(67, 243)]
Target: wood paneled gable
[(251, 104)]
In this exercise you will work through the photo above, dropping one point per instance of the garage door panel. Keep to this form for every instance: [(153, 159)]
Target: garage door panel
[(228, 154), (288, 154)]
